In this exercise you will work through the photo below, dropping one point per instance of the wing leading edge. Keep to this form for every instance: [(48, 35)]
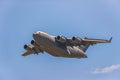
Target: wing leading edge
[(94, 41)]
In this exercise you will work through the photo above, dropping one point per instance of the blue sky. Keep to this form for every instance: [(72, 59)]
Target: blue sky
[(91, 18)]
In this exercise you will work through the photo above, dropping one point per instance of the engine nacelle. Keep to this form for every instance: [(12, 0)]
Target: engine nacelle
[(32, 42), (76, 40), (61, 39), (26, 47), (37, 48)]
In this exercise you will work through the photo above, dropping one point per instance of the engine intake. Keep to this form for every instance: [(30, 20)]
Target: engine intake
[(32, 42), (25, 46), (58, 37), (73, 38), (61, 39), (76, 40)]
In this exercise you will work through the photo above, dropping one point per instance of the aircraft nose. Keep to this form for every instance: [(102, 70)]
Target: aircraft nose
[(35, 34)]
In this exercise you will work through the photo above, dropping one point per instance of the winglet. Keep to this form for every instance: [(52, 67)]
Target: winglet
[(110, 39)]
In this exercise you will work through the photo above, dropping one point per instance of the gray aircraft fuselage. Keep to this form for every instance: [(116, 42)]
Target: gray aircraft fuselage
[(49, 44), (61, 46)]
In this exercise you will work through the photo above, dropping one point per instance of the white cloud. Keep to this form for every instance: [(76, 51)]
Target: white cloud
[(107, 69)]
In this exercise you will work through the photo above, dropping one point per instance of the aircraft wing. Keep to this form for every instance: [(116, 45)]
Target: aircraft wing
[(85, 42), (78, 41), (94, 41), (27, 53)]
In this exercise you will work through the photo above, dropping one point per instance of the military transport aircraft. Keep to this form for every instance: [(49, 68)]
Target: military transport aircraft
[(60, 46)]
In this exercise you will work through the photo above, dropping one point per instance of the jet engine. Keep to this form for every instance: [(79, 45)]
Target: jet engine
[(32, 42), (27, 47), (76, 40), (61, 39), (36, 47)]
